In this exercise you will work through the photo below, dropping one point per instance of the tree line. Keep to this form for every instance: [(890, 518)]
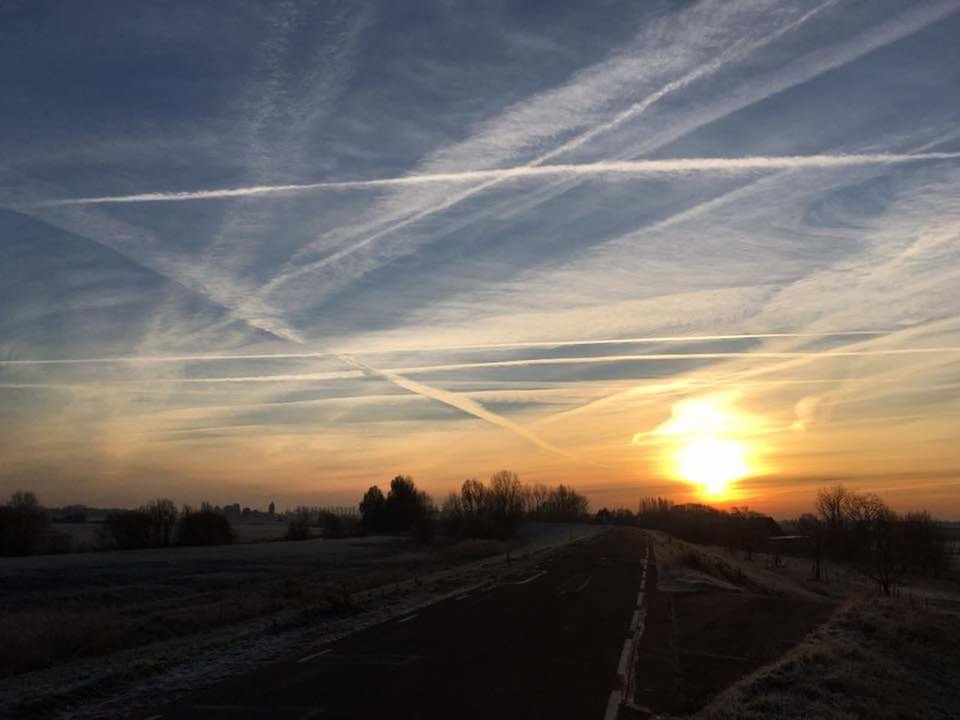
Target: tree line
[(25, 527), (492, 510), (846, 526), (861, 529)]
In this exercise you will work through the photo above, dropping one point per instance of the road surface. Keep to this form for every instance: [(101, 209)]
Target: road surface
[(545, 644)]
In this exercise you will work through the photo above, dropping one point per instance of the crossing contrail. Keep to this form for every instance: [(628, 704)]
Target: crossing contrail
[(518, 345), (634, 168)]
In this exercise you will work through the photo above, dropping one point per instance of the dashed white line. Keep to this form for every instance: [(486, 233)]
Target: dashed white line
[(308, 658), (613, 706), (529, 579), (408, 618), (623, 667), (640, 599)]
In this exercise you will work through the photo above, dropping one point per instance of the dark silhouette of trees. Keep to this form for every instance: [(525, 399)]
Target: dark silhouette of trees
[(23, 523), (163, 519), (372, 506), (127, 530), (740, 529), (204, 527), (497, 509), (814, 529), (404, 504), (504, 503), (298, 526), (403, 507)]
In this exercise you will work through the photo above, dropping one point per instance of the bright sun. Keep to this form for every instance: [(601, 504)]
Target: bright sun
[(706, 443), (713, 463)]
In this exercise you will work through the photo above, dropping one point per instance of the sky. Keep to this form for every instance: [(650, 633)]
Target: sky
[(287, 250)]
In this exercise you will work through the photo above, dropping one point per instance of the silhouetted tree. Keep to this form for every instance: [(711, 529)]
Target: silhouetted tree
[(163, 516), (23, 523), (504, 503), (204, 527), (404, 503), (372, 509), (128, 530), (298, 527), (815, 531), (272, 510)]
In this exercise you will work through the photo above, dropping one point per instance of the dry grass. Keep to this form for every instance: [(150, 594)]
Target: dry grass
[(873, 659)]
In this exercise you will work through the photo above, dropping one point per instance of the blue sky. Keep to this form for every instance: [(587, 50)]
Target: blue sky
[(560, 220)]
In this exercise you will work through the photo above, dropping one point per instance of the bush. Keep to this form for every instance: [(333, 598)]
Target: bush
[(205, 527)]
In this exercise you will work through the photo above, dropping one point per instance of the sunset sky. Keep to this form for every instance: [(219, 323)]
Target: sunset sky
[(284, 251)]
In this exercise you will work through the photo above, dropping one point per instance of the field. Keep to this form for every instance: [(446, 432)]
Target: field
[(83, 621)]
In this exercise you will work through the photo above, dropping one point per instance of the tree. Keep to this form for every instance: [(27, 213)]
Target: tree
[(372, 508), (272, 510), (404, 504), (204, 527), (811, 526), (505, 502), (298, 527), (128, 530), (451, 514), (23, 522), (163, 517)]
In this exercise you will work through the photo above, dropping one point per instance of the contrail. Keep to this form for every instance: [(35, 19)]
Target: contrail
[(818, 64), (159, 359), (637, 168), (391, 373), (460, 403)]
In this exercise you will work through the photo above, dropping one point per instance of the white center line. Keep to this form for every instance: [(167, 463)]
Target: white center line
[(315, 655), (408, 618), (613, 706), (529, 579)]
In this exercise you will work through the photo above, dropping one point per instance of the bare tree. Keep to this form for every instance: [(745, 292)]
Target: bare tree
[(163, 517)]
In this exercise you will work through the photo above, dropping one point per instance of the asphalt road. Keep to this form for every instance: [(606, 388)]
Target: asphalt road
[(544, 645)]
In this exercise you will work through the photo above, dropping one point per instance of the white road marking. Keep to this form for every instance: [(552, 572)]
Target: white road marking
[(584, 583), (315, 655), (623, 667), (640, 599), (634, 621), (408, 618), (613, 706), (462, 597), (529, 579)]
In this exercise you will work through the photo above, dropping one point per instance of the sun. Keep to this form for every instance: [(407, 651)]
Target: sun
[(712, 463), (707, 442)]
